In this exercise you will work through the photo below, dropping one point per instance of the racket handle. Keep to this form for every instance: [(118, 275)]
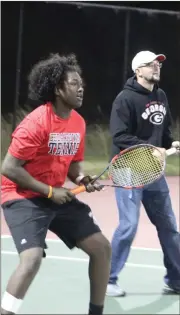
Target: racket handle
[(78, 190), (171, 151)]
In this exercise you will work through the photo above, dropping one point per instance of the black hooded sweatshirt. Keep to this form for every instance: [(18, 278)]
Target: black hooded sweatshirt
[(140, 116)]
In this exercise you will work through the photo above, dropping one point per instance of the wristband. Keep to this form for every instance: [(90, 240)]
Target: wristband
[(78, 179), (50, 192)]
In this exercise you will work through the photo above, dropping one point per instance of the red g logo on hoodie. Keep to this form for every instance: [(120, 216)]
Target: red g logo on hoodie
[(155, 113)]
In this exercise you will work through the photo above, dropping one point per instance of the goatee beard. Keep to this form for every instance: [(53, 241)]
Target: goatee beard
[(153, 81)]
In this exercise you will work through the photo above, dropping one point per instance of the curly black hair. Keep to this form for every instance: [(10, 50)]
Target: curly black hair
[(47, 74)]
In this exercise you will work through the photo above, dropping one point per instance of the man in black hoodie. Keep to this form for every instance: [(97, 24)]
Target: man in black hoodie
[(140, 114)]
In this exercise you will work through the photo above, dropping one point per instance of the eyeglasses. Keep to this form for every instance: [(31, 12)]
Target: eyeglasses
[(152, 65)]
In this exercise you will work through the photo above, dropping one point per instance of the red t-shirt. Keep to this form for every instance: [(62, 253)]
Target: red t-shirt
[(49, 144)]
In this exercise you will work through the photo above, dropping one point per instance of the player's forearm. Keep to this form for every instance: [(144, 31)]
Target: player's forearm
[(75, 171), (24, 180)]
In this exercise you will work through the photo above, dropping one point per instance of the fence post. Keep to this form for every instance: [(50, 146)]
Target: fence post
[(126, 45), (18, 64)]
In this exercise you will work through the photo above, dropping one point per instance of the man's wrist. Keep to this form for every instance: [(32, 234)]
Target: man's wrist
[(79, 179)]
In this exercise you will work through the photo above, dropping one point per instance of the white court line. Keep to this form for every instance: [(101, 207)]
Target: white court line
[(52, 240), (74, 259)]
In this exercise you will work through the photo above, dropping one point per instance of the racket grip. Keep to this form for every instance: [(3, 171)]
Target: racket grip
[(78, 190), (171, 151)]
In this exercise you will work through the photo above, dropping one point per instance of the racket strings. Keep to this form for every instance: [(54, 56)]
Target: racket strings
[(136, 167)]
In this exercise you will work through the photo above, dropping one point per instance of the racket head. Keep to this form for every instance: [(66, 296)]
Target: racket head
[(137, 166)]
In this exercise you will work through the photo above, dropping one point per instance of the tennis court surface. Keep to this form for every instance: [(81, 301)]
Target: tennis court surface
[(62, 286)]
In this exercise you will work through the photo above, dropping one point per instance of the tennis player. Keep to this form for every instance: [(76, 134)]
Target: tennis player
[(140, 114), (48, 146)]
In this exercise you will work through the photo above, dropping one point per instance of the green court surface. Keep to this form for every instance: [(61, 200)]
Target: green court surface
[(62, 286)]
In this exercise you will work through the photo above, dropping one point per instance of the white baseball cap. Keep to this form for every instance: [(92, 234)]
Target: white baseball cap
[(144, 57)]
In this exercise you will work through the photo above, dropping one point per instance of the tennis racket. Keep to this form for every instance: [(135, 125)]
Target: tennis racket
[(134, 167)]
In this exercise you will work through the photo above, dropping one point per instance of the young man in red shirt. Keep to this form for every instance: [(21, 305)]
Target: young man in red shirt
[(48, 146)]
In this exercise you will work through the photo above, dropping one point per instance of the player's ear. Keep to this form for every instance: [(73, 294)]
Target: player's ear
[(57, 91), (138, 73)]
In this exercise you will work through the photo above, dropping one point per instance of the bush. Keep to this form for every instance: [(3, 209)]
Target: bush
[(98, 145)]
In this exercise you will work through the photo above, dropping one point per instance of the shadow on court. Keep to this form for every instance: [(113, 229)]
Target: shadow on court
[(113, 305), (64, 279)]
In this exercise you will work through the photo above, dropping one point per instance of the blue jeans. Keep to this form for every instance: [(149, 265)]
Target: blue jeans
[(157, 203)]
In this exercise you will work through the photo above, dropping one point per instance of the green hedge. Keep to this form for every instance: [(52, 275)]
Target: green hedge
[(98, 144)]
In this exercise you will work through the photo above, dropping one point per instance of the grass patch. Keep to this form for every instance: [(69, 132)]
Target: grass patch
[(172, 166), (98, 146)]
